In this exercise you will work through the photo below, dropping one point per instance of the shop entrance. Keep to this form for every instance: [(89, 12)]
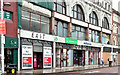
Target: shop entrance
[(38, 60), (79, 58)]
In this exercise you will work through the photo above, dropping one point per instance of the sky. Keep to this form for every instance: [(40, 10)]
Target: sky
[(116, 4)]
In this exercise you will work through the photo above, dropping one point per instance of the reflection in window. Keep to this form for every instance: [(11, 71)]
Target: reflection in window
[(60, 6), (94, 35), (36, 23), (60, 28), (105, 23), (105, 38), (78, 32), (93, 18), (77, 12)]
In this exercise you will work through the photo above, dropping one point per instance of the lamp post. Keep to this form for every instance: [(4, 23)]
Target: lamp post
[(2, 41)]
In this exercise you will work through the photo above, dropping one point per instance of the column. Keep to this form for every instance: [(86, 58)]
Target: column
[(52, 20), (100, 39), (112, 55), (54, 55), (70, 28), (19, 51)]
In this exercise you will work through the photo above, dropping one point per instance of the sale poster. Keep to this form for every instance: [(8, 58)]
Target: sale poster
[(47, 57), (27, 55)]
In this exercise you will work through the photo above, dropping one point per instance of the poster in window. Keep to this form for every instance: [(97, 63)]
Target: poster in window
[(47, 57), (27, 55)]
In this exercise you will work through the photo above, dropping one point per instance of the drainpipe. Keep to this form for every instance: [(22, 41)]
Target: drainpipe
[(54, 55)]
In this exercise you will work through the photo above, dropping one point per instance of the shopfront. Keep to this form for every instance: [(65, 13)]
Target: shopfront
[(36, 54)]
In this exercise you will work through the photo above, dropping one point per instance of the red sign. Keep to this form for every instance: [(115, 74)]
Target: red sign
[(2, 26), (27, 60), (47, 59), (91, 54)]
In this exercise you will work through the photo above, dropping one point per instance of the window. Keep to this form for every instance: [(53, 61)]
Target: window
[(93, 18), (118, 41), (118, 29), (60, 6), (61, 28), (105, 23), (93, 35), (35, 22), (77, 12), (105, 38), (105, 5), (78, 32)]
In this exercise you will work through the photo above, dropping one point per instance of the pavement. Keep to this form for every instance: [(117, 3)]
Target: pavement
[(64, 69)]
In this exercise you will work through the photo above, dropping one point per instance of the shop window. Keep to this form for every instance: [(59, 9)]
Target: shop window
[(78, 32), (105, 38), (60, 28), (77, 12), (35, 22), (105, 23), (93, 18), (93, 35), (60, 6)]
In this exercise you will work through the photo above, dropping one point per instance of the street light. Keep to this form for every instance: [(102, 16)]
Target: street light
[(2, 36)]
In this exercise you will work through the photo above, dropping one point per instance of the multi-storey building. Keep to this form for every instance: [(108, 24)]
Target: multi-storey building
[(116, 32), (11, 40), (64, 33)]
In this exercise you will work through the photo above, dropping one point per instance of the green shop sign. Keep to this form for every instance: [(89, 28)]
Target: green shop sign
[(7, 15), (71, 41)]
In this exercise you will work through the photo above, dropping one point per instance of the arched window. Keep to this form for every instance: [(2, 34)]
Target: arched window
[(93, 18), (105, 23), (77, 12), (60, 6)]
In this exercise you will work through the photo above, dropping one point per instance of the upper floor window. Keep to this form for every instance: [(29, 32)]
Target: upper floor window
[(60, 6), (77, 12), (94, 35), (105, 23), (60, 28), (93, 18), (35, 22), (78, 32)]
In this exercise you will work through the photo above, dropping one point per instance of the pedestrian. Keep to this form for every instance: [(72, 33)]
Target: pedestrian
[(102, 62)]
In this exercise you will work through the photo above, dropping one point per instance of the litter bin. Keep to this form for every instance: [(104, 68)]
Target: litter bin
[(12, 68), (110, 63)]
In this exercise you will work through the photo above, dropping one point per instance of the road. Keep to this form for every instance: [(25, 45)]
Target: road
[(101, 71)]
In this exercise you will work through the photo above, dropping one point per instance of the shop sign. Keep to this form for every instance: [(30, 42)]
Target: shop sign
[(2, 26), (47, 57), (71, 41), (86, 43), (27, 55)]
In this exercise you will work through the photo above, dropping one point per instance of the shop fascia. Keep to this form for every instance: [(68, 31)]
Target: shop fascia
[(47, 37)]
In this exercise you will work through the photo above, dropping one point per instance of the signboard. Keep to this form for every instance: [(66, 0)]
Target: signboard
[(87, 43), (71, 41), (7, 15), (2, 26), (47, 57), (27, 55)]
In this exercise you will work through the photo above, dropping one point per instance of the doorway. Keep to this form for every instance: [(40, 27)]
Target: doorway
[(38, 60)]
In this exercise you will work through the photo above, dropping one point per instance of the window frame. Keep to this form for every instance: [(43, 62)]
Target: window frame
[(63, 5), (78, 12), (93, 17), (105, 23)]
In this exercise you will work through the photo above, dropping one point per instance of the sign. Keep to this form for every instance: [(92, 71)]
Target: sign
[(2, 26), (27, 55), (7, 15), (91, 54), (87, 43), (47, 57), (71, 41)]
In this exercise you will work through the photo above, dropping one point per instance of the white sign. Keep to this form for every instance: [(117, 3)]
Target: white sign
[(47, 57), (27, 57)]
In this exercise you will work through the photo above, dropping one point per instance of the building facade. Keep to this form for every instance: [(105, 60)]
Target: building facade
[(11, 40), (65, 33)]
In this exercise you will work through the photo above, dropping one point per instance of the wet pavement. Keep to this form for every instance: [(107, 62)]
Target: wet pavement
[(64, 69)]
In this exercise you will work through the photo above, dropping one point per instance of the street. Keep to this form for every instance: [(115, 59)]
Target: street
[(101, 71)]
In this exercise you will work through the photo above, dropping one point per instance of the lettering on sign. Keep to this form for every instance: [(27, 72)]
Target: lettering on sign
[(38, 35)]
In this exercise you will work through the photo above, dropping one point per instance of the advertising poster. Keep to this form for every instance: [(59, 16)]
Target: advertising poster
[(47, 57), (35, 60), (27, 57)]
